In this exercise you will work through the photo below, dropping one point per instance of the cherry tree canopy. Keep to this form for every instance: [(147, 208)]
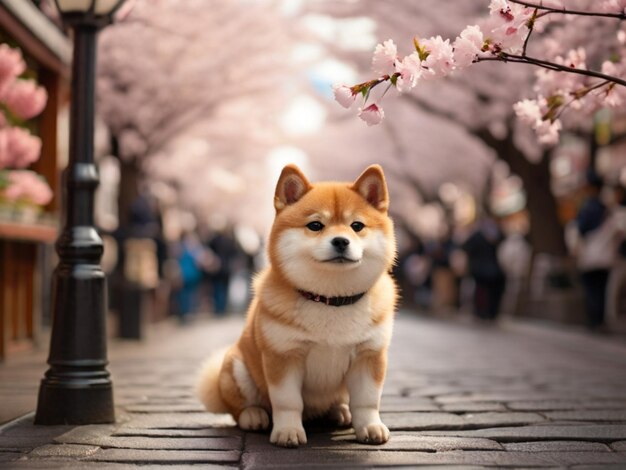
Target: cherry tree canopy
[(190, 93)]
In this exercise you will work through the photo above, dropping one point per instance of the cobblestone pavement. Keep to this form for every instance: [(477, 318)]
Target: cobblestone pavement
[(456, 395)]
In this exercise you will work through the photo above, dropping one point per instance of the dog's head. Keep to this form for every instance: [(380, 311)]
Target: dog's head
[(332, 238)]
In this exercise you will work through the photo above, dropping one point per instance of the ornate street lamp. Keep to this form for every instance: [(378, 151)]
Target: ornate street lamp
[(77, 388)]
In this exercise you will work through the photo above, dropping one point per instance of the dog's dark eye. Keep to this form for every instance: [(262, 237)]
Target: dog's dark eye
[(315, 226), (357, 226)]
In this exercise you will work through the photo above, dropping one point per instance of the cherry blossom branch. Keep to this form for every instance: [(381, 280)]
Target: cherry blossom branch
[(504, 37), (521, 59), (564, 11)]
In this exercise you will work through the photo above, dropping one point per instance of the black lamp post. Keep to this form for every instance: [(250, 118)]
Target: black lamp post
[(77, 388)]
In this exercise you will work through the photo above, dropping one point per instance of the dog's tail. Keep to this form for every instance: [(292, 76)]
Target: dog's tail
[(207, 387)]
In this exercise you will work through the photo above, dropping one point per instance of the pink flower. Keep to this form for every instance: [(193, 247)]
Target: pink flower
[(29, 187), (440, 60), (410, 70), (25, 98), (613, 6), (372, 115), (467, 46), (496, 7), (528, 111), (385, 56), (11, 65), (18, 148), (548, 132), (23, 147), (344, 95), (553, 3), (506, 28)]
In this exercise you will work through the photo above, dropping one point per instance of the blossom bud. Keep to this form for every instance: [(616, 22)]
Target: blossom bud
[(344, 95), (372, 115)]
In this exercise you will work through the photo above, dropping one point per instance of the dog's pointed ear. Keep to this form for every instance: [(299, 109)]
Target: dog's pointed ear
[(372, 186), (291, 186)]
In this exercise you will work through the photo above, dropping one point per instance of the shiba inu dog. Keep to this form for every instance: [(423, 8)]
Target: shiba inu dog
[(317, 331)]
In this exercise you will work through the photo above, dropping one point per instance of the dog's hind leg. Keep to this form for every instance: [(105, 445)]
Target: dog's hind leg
[(242, 396), (340, 414)]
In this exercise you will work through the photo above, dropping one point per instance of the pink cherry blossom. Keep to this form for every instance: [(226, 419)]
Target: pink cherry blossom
[(410, 70), (498, 6), (504, 36), (11, 65), (372, 115), (614, 6), (440, 60), (548, 132), (25, 98), (27, 186), (344, 95), (385, 56), (553, 3), (506, 29), (467, 46), (528, 111)]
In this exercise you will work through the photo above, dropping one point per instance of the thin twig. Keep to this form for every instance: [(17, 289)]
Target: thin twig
[(619, 16), (505, 57), (579, 94), (531, 27)]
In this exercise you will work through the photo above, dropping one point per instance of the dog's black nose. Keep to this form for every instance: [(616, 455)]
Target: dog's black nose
[(340, 243)]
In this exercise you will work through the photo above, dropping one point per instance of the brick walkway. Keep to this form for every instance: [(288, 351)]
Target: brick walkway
[(456, 394)]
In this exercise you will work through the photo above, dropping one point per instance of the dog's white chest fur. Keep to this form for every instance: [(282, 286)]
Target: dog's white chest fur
[(325, 367)]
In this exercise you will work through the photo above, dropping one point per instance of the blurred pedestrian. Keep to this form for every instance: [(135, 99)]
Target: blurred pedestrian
[(444, 281), (481, 248), (596, 249), (225, 247), (616, 288), (189, 256)]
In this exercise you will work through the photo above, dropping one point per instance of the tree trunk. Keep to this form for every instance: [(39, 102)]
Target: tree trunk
[(546, 231)]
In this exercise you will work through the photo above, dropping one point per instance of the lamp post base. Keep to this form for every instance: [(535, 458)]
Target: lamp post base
[(85, 404)]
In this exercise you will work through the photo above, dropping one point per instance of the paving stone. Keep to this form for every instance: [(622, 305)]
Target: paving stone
[(165, 443), (306, 458), (181, 420), (63, 451), (399, 403), (588, 415), (506, 397), (85, 434), (557, 446), (412, 420), (558, 405), (157, 408), (473, 407), (150, 432), (398, 441), (601, 433), (10, 456), (82, 464), (23, 442), (619, 446), (143, 456), (500, 419), (599, 467)]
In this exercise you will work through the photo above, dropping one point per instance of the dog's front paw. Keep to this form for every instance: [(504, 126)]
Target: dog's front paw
[(376, 433), (288, 436), (254, 418)]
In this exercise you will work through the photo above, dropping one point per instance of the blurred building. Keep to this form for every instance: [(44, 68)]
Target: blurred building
[(26, 242)]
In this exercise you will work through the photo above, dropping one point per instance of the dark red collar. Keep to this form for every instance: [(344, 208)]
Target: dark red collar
[(333, 301)]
